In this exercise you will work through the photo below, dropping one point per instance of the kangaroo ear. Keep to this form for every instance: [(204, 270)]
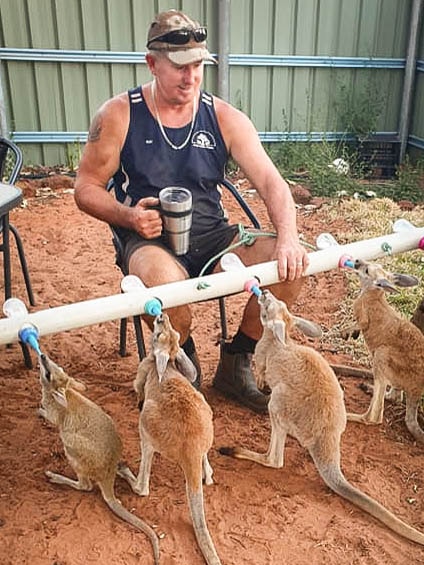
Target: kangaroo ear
[(185, 365), (308, 328), (161, 358), (278, 328), (60, 397), (405, 281), (386, 285)]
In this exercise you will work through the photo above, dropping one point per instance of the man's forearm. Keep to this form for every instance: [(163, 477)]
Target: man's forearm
[(282, 212), (97, 202)]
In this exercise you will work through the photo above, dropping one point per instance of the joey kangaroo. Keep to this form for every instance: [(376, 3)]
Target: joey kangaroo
[(90, 439), (307, 403), (396, 345), (175, 421)]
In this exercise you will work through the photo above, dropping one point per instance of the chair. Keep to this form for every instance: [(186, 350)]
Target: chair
[(137, 319), (10, 197)]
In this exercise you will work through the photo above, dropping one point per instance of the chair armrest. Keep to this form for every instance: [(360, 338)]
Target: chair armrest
[(242, 202)]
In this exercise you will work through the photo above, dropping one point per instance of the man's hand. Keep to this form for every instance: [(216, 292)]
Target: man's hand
[(292, 259), (146, 220)]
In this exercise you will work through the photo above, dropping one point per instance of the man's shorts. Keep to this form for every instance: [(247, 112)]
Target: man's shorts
[(202, 248)]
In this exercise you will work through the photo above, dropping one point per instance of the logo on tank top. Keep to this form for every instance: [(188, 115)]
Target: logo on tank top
[(203, 140)]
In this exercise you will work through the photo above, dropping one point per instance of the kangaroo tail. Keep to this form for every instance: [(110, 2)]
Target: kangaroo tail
[(334, 478), (204, 540), (126, 515)]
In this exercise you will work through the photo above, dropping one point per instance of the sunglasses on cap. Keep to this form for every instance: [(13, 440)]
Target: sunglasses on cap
[(181, 36)]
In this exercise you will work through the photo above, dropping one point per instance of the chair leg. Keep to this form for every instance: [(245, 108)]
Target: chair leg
[(27, 355), (6, 257), (223, 318), (24, 265), (123, 337), (5, 248), (139, 337)]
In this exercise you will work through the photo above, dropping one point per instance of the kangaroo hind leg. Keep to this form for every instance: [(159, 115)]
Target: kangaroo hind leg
[(83, 483), (274, 457), (411, 416), (374, 414)]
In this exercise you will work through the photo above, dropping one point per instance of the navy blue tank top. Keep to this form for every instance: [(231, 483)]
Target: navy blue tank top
[(149, 164)]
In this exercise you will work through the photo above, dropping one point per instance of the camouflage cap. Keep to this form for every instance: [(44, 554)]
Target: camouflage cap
[(194, 47)]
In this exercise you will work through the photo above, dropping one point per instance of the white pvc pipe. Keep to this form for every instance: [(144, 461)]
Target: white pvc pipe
[(96, 311)]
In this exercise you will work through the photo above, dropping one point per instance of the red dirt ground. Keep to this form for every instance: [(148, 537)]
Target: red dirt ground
[(256, 515)]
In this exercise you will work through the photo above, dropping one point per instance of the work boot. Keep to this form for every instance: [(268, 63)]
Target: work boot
[(190, 351), (234, 378)]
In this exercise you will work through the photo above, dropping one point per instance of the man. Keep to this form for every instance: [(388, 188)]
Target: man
[(169, 132)]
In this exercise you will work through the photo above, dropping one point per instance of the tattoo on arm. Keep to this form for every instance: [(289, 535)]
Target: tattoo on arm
[(95, 128)]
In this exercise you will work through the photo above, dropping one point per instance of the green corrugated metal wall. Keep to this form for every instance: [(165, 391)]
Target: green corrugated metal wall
[(417, 122), (302, 99), (59, 96), (50, 96)]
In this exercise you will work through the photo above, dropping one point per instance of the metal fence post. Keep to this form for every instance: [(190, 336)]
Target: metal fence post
[(409, 81)]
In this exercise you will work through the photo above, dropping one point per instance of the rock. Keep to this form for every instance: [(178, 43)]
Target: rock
[(56, 182), (317, 201), (301, 195), (28, 188), (406, 205)]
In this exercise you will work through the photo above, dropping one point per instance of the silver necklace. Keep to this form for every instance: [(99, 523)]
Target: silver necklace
[(162, 129)]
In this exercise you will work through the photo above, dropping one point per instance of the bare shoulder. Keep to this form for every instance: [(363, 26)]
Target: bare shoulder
[(106, 137), (239, 133), (233, 123), (228, 113), (111, 118)]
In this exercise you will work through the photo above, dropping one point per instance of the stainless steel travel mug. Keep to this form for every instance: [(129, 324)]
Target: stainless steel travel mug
[(176, 209)]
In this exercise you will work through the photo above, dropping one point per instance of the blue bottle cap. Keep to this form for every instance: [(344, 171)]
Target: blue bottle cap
[(153, 307)]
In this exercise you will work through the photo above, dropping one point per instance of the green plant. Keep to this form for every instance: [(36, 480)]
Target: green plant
[(356, 113), (73, 155), (7, 167), (408, 183), (359, 109), (288, 157), (312, 163), (410, 180)]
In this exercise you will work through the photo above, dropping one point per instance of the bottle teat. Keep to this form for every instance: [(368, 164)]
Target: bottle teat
[(231, 262), (15, 308), (131, 283)]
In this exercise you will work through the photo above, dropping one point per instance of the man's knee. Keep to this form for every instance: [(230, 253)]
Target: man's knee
[(261, 251), (155, 266)]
